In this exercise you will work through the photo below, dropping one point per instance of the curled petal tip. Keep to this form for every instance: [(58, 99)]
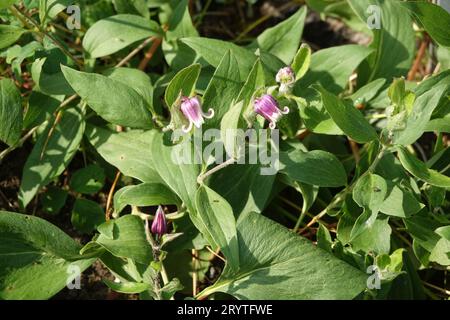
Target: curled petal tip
[(285, 110), (188, 128), (273, 125), (209, 114)]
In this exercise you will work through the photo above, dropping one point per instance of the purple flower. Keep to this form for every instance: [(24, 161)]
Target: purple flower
[(286, 78), (192, 110), (159, 225), (267, 107)]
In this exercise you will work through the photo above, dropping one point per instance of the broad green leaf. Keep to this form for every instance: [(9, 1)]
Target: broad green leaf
[(399, 202), (277, 264), (223, 88), (319, 168), (393, 40), (370, 192), (38, 259), (88, 180), (9, 35), (53, 200), (244, 187), (433, 18), (212, 50), (419, 170), (128, 239), (283, 39), (11, 112), (127, 151), (183, 83), (229, 133), (419, 117), (332, 68), (347, 117), (112, 100), (127, 287), (48, 161), (218, 224), (40, 108), (142, 195), (255, 81), (136, 79), (87, 215), (178, 55), (302, 61), (176, 167), (114, 33), (367, 92), (375, 238), (47, 73)]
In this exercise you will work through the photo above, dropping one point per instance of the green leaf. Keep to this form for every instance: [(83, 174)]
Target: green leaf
[(433, 18), (332, 68), (374, 238), (127, 287), (370, 192), (56, 154), (283, 39), (133, 6), (169, 290), (177, 171), (11, 112), (347, 117), (218, 224), (9, 35), (255, 81), (6, 3), (419, 117), (112, 100), (136, 79), (393, 43), (40, 108), (178, 55), (53, 200), (277, 264), (87, 215), (243, 187), (38, 259), (212, 50), (399, 202), (223, 88), (128, 240), (419, 170), (319, 168), (127, 151), (114, 33), (142, 195), (88, 180), (183, 83), (302, 61)]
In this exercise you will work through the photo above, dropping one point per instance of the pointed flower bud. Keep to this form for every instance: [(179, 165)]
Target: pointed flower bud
[(267, 107), (192, 110), (159, 225), (286, 78)]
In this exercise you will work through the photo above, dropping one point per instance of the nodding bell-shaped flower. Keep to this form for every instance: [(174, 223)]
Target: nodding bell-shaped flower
[(286, 78), (159, 225), (192, 110), (267, 107)]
